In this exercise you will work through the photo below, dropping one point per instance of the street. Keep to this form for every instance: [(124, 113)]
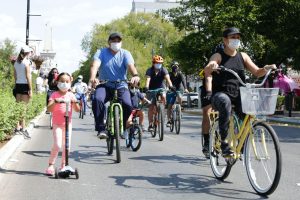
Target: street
[(172, 169)]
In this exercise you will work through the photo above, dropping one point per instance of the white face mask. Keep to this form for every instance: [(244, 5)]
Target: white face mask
[(79, 80), (157, 65), (116, 46), (234, 44), (64, 87)]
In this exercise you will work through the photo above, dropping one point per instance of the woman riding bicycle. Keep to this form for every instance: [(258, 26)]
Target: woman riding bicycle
[(156, 75), (223, 88)]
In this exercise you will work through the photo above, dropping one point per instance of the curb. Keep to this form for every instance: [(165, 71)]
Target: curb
[(10, 147)]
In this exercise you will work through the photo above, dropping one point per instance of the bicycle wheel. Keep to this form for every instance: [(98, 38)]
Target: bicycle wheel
[(110, 144), (263, 158), (160, 125), (51, 122), (218, 163), (117, 132), (81, 109), (153, 133), (135, 138), (177, 120)]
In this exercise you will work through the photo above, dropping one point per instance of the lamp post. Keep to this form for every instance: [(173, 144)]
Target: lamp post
[(27, 22)]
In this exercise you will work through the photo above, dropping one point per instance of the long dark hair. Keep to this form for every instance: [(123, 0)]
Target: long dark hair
[(21, 56), (51, 80)]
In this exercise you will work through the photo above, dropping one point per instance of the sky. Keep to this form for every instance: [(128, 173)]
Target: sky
[(70, 21)]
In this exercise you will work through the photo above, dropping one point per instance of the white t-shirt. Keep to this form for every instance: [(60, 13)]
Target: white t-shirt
[(39, 84), (21, 71), (80, 88)]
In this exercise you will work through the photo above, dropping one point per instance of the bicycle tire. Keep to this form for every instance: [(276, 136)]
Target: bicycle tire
[(257, 178), (160, 122), (51, 121), (219, 165), (178, 119), (153, 133), (135, 135), (110, 144), (117, 132), (81, 109)]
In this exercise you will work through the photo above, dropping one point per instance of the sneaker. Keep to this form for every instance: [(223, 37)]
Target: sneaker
[(17, 132), (50, 171), (226, 150), (26, 134), (205, 149), (102, 135), (169, 123), (150, 128)]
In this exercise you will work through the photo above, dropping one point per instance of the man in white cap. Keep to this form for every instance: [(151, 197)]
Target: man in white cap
[(81, 88)]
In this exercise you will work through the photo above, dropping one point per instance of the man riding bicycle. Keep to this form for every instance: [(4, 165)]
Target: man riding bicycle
[(223, 88), (81, 88), (156, 75), (179, 83), (113, 63)]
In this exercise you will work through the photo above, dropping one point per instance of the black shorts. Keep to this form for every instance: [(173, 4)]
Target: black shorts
[(22, 88), (204, 102)]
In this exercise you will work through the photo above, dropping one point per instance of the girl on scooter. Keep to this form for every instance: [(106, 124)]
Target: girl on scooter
[(58, 110)]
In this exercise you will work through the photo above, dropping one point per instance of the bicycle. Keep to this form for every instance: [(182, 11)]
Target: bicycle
[(134, 139), (175, 117), (158, 117), (252, 140), (81, 103), (114, 121)]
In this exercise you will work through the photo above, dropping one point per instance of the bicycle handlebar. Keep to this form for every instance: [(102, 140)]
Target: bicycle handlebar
[(248, 85)]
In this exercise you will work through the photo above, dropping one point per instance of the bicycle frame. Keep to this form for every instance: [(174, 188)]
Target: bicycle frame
[(114, 102)]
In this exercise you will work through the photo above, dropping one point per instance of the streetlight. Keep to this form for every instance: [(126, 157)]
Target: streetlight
[(27, 23)]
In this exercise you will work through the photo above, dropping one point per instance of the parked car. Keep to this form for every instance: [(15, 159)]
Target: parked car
[(194, 99)]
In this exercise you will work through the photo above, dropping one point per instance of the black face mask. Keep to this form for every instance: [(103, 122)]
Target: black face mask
[(174, 69)]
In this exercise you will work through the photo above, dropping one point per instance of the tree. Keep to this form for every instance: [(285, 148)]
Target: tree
[(141, 32), (6, 68)]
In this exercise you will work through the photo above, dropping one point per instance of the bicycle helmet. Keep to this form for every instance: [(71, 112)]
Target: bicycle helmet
[(174, 63), (157, 59)]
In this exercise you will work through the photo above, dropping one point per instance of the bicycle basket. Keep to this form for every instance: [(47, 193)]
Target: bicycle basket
[(259, 101)]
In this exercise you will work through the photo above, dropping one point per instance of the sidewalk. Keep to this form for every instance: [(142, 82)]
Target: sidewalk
[(283, 118)]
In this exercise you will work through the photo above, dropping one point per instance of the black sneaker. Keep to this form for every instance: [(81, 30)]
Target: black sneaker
[(150, 128), (226, 150), (169, 123), (205, 149), (102, 135), (26, 134)]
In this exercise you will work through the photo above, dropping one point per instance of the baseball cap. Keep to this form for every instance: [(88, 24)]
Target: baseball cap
[(27, 49), (80, 77), (114, 35), (231, 31)]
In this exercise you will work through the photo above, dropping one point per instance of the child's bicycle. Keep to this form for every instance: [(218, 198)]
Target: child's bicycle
[(114, 121), (253, 141), (158, 117)]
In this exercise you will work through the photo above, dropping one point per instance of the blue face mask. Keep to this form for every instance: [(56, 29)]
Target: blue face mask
[(157, 65)]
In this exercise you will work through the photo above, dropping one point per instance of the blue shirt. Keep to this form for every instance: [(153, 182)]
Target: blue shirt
[(135, 98), (113, 67)]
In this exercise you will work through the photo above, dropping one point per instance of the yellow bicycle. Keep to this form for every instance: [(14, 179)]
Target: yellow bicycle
[(252, 140)]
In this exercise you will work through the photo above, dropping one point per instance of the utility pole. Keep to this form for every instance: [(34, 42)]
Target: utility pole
[(27, 22)]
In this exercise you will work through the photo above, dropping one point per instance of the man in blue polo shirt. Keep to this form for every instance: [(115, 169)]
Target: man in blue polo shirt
[(112, 64)]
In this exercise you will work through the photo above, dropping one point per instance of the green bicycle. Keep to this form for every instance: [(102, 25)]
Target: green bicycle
[(252, 140), (114, 122)]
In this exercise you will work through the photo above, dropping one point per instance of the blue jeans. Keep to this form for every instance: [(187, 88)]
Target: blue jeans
[(104, 94), (83, 97)]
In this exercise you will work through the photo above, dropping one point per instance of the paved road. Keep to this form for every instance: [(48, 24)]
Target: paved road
[(172, 169)]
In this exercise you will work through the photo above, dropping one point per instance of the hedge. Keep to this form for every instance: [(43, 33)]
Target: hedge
[(10, 112)]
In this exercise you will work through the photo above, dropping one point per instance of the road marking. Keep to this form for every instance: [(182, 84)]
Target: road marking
[(14, 160)]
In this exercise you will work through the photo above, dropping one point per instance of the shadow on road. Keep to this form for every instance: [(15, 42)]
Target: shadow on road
[(183, 183), (194, 160), (27, 173), (288, 134)]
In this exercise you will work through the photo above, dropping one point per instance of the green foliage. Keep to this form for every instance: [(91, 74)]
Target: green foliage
[(280, 102), (6, 68), (141, 33), (270, 29), (11, 112)]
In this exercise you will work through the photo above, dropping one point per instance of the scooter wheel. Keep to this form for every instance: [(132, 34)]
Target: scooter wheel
[(56, 173), (76, 173)]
